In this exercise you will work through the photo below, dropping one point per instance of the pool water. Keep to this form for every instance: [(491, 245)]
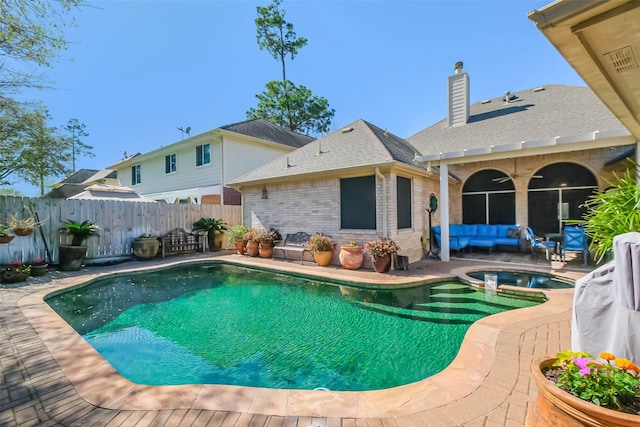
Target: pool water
[(222, 324), (526, 279)]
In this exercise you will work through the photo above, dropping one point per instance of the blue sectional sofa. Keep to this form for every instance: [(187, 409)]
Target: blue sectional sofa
[(480, 235)]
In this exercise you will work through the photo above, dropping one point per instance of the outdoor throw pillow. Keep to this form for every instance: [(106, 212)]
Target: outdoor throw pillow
[(514, 233)]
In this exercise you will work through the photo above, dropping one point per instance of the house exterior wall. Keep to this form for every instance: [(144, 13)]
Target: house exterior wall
[(243, 156), (313, 206), (594, 160)]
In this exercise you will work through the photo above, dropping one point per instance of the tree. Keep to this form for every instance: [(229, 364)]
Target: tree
[(76, 131), (276, 35), (14, 123), (31, 36), (293, 107)]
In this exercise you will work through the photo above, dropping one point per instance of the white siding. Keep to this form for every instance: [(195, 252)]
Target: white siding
[(243, 156)]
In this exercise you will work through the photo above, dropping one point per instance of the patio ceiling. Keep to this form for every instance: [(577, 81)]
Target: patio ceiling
[(601, 40)]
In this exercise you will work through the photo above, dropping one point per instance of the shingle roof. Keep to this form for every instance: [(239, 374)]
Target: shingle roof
[(80, 176), (541, 113), (65, 191), (364, 145), (259, 128)]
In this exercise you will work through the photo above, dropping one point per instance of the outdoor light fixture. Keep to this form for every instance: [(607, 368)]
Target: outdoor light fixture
[(264, 193)]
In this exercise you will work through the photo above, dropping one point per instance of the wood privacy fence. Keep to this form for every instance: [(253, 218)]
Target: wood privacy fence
[(120, 223)]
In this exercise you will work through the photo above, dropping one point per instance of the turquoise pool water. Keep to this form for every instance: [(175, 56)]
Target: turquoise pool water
[(221, 324), (527, 279)]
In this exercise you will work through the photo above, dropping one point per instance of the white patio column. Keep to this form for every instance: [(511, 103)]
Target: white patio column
[(444, 212)]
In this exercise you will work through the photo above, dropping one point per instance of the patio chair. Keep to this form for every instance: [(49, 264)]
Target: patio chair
[(538, 243), (574, 239)]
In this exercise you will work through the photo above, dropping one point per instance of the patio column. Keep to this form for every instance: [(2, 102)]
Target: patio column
[(444, 212)]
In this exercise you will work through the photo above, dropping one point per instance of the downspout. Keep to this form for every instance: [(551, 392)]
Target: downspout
[(384, 201)]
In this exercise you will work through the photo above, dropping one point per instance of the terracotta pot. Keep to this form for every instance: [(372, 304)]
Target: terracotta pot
[(351, 257), (71, 257), (266, 249), (556, 407), (214, 241), (22, 231), (381, 264), (240, 247), (253, 248), (145, 248), (323, 258), (39, 269)]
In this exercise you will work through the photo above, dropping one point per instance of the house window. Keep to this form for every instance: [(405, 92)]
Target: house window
[(489, 197), (170, 163), (203, 154), (403, 202), (135, 175), (358, 203)]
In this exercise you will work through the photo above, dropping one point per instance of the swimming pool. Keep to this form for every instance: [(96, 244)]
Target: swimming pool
[(215, 323), (526, 279)]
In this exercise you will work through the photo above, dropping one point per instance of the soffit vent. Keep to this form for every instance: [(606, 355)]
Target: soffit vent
[(622, 59)]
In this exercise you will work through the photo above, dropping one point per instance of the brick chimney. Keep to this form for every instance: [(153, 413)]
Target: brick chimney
[(458, 97)]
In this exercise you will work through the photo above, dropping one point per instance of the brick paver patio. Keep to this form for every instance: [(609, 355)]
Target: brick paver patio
[(35, 391)]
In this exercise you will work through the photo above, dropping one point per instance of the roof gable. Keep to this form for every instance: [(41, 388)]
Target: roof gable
[(359, 144), (534, 114)]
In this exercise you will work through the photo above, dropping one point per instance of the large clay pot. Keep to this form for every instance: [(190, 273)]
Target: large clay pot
[(556, 407), (214, 241), (253, 248), (71, 257), (351, 257), (240, 247), (145, 247), (266, 249), (323, 258), (381, 264)]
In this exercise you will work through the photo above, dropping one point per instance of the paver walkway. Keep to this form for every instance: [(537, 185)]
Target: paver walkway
[(36, 392)]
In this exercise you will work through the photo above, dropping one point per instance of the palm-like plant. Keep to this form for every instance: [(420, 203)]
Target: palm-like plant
[(80, 231)]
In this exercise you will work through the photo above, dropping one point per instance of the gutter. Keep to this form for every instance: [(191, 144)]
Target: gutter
[(560, 11), (384, 201)]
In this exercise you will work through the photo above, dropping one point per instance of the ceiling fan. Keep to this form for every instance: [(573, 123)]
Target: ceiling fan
[(506, 178)]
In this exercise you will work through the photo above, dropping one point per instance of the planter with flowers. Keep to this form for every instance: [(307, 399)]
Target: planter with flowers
[(574, 390), (22, 227), (5, 234), (350, 256), (253, 246), (236, 234), (266, 241), (321, 246), (16, 272), (39, 267), (381, 251)]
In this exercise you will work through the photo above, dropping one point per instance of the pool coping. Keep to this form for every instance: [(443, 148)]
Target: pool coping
[(486, 341)]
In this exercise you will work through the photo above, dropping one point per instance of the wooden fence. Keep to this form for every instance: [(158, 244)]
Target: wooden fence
[(119, 222)]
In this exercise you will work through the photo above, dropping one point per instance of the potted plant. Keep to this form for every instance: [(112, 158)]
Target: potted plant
[(22, 227), (145, 246), (39, 266), (266, 240), (611, 213), (16, 272), (236, 234), (5, 235), (251, 237), (576, 390), (321, 246), (350, 255), (381, 251), (215, 229), (72, 256)]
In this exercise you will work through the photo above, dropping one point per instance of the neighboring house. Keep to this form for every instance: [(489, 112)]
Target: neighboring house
[(357, 183), (79, 181), (530, 157), (196, 169), (116, 193)]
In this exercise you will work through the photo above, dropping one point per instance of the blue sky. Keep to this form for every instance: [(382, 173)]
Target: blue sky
[(136, 71)]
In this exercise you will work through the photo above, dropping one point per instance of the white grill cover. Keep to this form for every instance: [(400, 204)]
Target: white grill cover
[(606, 304)]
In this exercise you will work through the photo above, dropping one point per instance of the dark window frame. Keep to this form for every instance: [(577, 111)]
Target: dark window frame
[(170, 163), (358, 207), (203, 154), (404, 202)]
